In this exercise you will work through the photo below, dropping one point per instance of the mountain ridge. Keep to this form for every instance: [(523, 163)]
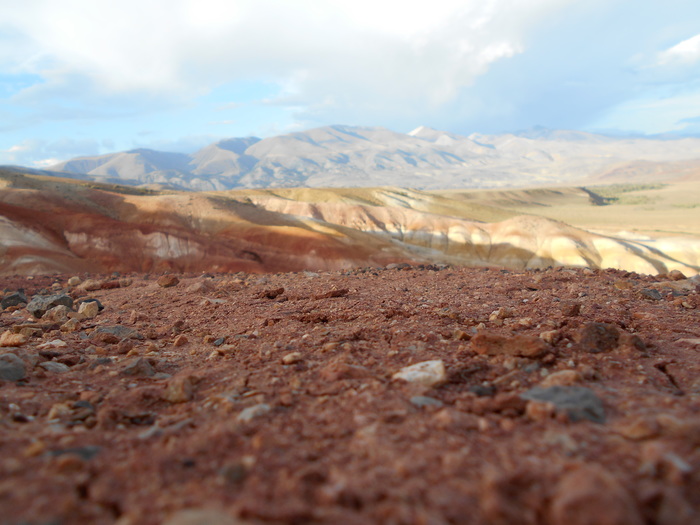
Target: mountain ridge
[(425, 158)]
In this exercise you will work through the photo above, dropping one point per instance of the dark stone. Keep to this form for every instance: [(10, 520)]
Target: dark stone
[(118, 331), (101, 361), (598, 337), (144, 419), (483, 391), (651, 294), (14, 299), (138, 367), (12, 368), (234, 473), (578, 402), (40, 304)]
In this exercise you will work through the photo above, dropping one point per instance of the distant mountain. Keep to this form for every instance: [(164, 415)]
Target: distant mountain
[(425, 158), (127, 165)]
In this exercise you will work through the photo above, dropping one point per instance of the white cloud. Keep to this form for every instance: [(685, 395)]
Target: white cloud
[(45, 163), (202, 68), (687, 51), (366, 50), (17, 148), (39, 152)]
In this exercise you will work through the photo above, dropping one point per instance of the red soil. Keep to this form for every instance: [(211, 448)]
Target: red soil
[(270, 399)]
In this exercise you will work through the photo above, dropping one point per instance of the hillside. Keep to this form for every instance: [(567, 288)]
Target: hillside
[(346, 156), (63, 225)]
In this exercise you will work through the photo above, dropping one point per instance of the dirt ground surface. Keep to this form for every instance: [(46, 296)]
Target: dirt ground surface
[(556, 397)]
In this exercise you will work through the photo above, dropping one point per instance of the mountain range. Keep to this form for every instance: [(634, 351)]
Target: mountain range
[(425, 158)]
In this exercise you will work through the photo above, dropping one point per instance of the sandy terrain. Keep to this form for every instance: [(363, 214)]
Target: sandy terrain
[(533, 397)]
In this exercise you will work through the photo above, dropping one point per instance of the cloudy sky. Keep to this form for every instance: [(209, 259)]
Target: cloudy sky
[(82, 77)]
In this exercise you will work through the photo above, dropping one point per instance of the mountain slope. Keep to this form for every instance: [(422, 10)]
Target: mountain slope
[(343, 156), (61, 225)]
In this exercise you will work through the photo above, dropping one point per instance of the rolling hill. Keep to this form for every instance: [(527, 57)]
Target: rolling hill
[(50, 225)]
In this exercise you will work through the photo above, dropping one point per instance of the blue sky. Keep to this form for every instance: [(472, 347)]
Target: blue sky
[(83, 77)]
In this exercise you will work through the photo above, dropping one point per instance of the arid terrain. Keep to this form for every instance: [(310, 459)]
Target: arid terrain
[(398, 394), (358, 355), (52, 225)]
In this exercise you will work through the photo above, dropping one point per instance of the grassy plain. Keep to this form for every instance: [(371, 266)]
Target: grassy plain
[(654, 210)]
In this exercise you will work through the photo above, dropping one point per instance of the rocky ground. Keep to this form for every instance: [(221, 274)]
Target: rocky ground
[(401, 395)]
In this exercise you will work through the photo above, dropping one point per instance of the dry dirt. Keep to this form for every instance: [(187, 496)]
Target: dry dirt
[(568, 397)]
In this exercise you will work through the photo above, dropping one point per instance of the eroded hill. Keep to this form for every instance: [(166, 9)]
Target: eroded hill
[(63, 225)]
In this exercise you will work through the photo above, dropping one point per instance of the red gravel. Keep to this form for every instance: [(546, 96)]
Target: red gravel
[(270, 398)]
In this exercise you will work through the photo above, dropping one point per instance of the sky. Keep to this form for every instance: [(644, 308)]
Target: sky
[(87, 77)]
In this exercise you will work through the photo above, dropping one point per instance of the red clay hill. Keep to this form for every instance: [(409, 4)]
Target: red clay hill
[(50, 225)]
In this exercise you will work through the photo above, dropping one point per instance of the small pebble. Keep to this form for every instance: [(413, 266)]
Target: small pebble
[(89, 310), (8, 339), (562, 378), (54, 367), (253, 412), (425, 401), (168, 281), (427, 373), (180, 340), (291, 358), (576, 402), (180, 389), (138, 367)]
